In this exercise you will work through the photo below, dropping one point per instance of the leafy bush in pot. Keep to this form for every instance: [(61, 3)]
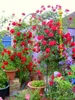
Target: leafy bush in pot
[(3, 79)]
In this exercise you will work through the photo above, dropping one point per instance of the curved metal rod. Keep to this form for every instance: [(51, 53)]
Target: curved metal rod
[(28, 15)]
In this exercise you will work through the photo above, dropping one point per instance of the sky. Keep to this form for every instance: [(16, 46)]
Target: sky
[(8, 7)]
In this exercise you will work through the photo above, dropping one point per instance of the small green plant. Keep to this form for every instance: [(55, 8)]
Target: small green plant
[(35, 95), (10, 68), (63, 84), (38, 83), (3, 79), (60, 90), (28, 94)]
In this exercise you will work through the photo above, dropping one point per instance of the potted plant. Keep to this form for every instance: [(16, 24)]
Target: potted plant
[(10, 72), (7, 63), (37, 85), (4, 84)]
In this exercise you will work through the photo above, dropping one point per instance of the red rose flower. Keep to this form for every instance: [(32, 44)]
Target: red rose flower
[(67, 35), (54, 28), (52, 43), (2, 53), (37, 11), (14, 40), (70, 18), (69, 38), (12, 57), (26, 48), (40, 37), (52, 77), (72, 44), (73, 50), (22, 43), (44, 42), (18, 33), (29, 34), (30, 64), (20, 20), (8, 52), (46, 31), (69, 73), (5, 62), (50, 34), (3, 67), (23, 59), (23, 14), (34, 49), (44, 23), (33, 27), (48, 6), (42, 6), (51, 83), (14, 23), (19, 54), (5, 50), (47, 50), (67, 10), (12, 31)]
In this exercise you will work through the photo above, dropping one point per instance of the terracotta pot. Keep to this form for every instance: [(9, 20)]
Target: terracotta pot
[(10, 74), (41, 89), (33, 76)]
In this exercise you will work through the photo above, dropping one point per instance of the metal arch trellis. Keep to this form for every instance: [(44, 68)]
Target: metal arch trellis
[(28, 15)]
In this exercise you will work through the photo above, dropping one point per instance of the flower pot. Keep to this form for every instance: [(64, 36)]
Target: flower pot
[(10, 74), (4, 92), (33, 76), (41, 89)]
